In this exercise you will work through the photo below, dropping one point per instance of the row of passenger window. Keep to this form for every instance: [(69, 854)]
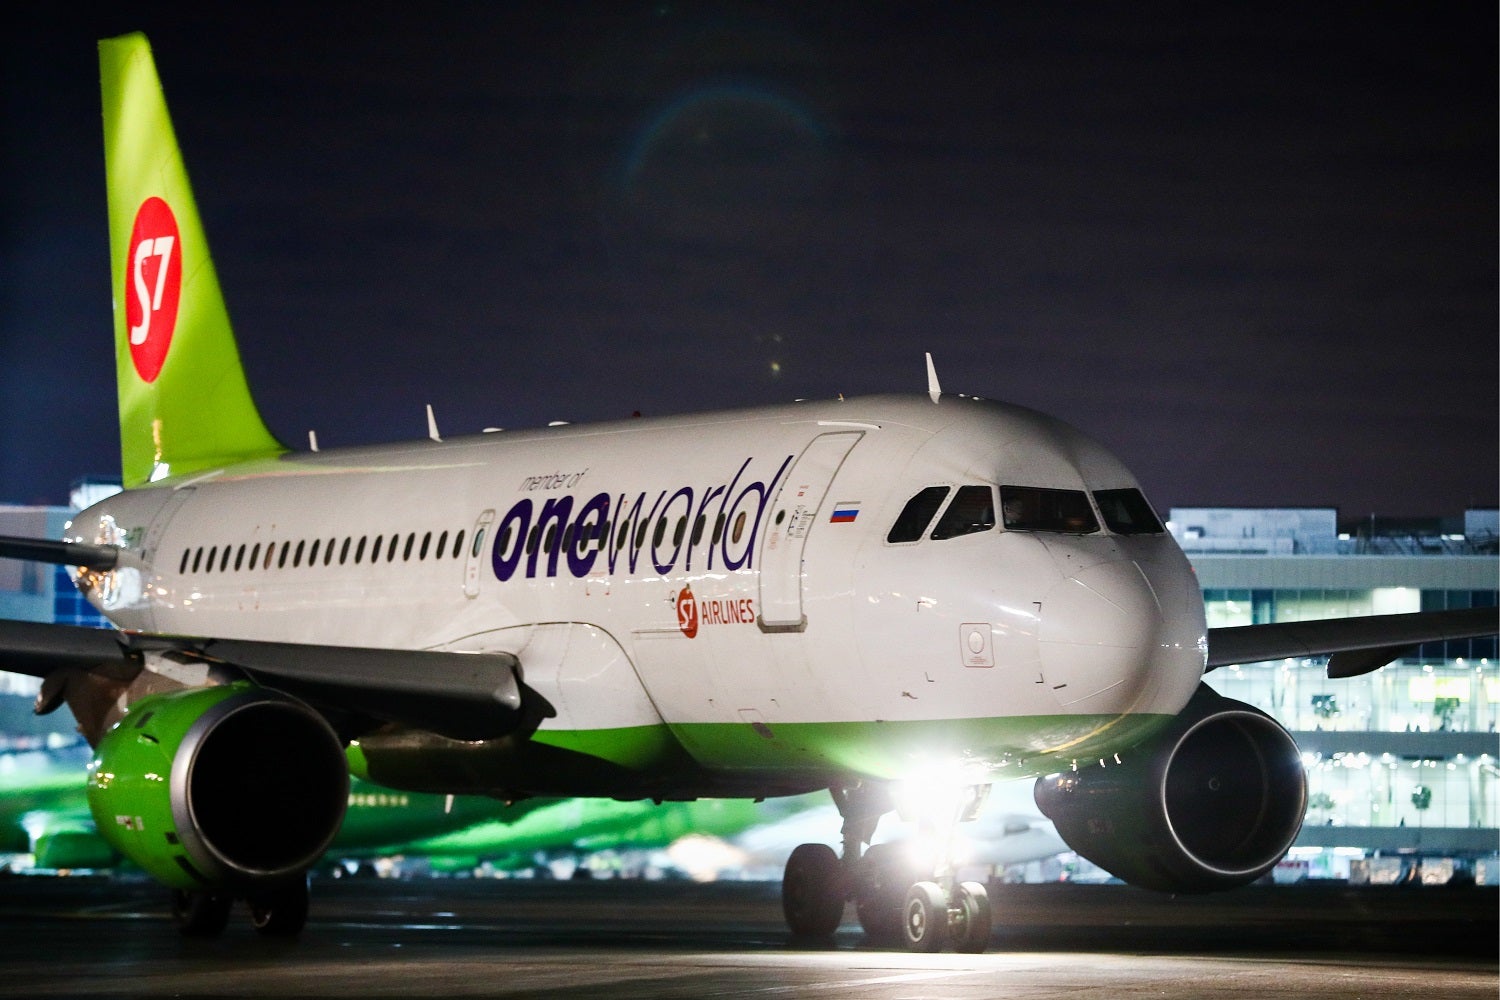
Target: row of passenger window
[(580, 538), (1023, 508), (391, 548), (304, 553)]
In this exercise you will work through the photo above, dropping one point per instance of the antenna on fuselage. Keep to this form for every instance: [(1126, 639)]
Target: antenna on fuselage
[(933, 389), (432, 430)]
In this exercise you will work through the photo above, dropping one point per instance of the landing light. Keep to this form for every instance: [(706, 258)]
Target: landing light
[(936, 794)]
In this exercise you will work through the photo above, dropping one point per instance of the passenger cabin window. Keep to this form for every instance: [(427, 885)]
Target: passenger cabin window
[(972, 509), (917, 514), (1028, 508), (1126, 512)]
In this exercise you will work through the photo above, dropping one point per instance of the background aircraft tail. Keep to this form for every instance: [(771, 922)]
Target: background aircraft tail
[(184, 402)]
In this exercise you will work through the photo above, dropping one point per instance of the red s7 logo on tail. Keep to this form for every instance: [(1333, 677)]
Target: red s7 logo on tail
[(153, 286)]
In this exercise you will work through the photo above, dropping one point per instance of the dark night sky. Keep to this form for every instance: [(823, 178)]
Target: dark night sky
[(1254, 254)]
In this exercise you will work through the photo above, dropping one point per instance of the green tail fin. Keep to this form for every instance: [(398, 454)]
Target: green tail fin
[(184, 402)]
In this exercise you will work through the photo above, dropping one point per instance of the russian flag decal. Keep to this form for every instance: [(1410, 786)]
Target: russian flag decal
[(843, 513)]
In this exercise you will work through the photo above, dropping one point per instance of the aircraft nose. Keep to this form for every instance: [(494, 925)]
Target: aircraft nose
[(1099, 636)]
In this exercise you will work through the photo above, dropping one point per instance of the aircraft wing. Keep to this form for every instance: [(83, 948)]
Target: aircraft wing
[(38, 648), (1354, 646), (461, 695)]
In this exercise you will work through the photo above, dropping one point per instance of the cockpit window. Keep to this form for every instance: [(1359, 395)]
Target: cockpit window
[(917, 514), (1030, 508), (972, 509), (1126, 512)]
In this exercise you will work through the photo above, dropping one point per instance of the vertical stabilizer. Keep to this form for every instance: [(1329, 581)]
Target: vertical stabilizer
[(184, 401)]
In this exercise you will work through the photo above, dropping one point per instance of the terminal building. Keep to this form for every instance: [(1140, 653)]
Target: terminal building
[(1403, 763)]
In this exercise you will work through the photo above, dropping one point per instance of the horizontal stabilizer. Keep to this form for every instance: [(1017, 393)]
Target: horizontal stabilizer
[(101, 557), (1355, 645)]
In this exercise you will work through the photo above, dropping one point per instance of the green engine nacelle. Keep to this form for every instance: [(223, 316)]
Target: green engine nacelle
[(219, 786)]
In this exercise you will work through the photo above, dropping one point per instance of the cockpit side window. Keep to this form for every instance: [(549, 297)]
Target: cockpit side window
[(972, 509), (917, 514), (1126, 512), (1030, 508)]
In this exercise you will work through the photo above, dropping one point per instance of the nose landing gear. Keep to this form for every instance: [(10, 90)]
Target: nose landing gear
[(900, 895), (936, 916)]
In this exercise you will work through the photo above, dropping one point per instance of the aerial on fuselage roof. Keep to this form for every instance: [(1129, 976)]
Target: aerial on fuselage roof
[(899, 599)]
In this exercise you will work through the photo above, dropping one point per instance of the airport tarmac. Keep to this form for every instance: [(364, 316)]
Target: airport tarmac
[(614, 939)]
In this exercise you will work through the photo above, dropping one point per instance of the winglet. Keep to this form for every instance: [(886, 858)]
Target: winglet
[(933, 389), (432, 430)]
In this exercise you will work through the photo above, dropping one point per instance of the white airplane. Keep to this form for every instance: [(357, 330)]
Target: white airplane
[(896, 598)]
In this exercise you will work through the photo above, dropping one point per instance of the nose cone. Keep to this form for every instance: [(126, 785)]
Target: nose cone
[(1121, 636), (1098, 629)]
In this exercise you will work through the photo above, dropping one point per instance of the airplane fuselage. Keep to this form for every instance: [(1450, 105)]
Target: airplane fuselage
[(752, 588)]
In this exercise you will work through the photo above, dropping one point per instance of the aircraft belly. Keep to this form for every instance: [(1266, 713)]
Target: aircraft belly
[(978, 749)]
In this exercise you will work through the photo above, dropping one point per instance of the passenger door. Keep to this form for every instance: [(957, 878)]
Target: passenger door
[(794, 512)]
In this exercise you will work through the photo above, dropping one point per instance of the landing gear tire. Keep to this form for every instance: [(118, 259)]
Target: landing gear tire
[(971, 931), (813, 891), (885, 875), (280, 912), (200, 914), (925, 917)]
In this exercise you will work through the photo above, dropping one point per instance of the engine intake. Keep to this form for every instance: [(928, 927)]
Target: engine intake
[(1212, 802), (218, 786)]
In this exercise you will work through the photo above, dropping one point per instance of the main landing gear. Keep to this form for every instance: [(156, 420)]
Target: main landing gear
[(901, 894), (279, 911)]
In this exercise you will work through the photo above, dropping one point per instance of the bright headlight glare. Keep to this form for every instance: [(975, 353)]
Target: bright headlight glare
[(928, 798)]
